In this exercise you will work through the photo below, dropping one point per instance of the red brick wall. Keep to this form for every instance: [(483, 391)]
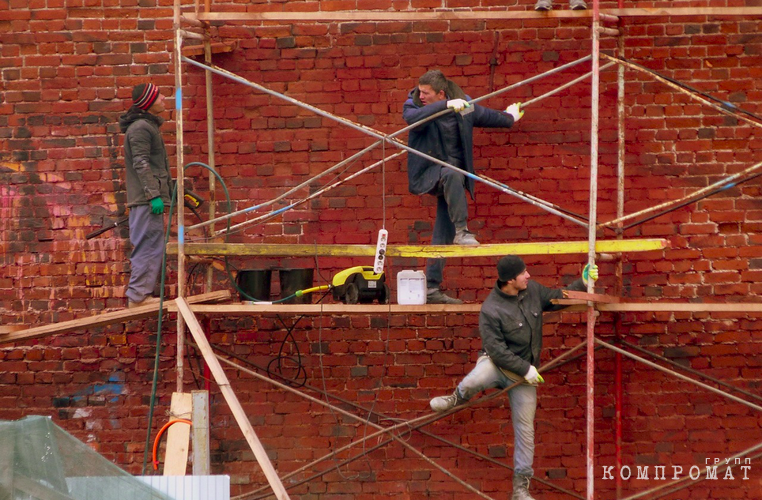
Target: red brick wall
[(66, 77)]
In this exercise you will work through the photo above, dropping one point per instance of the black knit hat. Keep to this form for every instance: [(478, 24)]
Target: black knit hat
[(509, 267), (144, 95)]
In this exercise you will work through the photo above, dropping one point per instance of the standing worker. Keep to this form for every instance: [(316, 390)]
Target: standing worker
[(448, 138), (510, 324), (543, 5), (148, 189)]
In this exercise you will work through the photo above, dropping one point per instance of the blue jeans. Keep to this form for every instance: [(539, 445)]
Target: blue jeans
[(452, 213), (147, 238), (523, 399)]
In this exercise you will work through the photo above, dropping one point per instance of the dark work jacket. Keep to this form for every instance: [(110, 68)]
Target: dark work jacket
[(423, 174), (145, 157), (511, 325)]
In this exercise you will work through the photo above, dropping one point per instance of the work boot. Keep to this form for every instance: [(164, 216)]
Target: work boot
[(444, 403), (543, 5), (144, 302), (464, 237), (436, 296), (577, 5), (521, 487)]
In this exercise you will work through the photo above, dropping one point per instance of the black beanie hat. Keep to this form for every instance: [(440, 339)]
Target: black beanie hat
[(509, 267), (144, 95)]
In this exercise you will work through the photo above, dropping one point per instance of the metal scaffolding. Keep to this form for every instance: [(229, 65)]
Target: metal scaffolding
[(200, 21)]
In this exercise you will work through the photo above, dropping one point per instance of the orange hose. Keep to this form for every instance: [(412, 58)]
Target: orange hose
[(158, 438)]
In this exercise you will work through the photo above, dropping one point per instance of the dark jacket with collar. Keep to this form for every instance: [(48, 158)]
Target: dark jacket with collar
[(511, 325), (145, 157), (423, 174)]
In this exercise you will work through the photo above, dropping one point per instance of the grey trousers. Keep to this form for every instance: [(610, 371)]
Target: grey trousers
[(147, 238), (452, 213), (523, 399)]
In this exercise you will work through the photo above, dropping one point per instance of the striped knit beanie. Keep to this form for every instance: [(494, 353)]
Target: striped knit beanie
[(144, 95)]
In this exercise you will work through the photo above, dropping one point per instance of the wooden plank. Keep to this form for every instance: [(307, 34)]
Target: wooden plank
[(422, 251), (680, 307), (569, 302), (386, 16), (240, 416), (256, 309), (217, 48), (201, 459), (592, 297), (687, 11), (178, 435), (11, 328), (108, 318), (454, 15)]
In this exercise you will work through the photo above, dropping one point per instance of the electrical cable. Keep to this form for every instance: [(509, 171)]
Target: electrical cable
[(300, 377), (325, 388), (158, 438), (157, 356)]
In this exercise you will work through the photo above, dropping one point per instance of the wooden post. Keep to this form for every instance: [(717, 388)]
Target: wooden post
[(178, 436), (230, 397), (201, 463)]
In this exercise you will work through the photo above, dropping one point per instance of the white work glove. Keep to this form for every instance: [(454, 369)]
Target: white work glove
[(458, 105), (515, 111), (533, 377)]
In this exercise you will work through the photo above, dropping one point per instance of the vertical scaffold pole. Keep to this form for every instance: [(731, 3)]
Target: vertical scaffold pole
[(619, 393), (212, 179), (591, 247), (180, 191)]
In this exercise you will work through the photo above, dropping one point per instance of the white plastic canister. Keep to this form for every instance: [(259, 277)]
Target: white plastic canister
[(411, 288)]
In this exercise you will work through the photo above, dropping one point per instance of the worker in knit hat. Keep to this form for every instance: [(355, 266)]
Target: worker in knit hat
[(148, 189)]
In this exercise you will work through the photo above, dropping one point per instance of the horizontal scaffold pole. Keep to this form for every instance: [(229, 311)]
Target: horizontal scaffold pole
[(455, 15), (423, 251)]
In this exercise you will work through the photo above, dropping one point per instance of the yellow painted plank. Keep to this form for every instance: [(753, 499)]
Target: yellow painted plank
[(422, 251)]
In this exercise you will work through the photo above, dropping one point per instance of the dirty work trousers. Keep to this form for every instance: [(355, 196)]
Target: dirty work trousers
[(452, 213), (147, 238)]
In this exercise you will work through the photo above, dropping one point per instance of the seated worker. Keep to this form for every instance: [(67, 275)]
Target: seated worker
[(448, 138), (510, 324)]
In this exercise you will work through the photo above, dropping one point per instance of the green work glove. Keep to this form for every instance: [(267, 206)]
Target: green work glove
[(157, 205), (590, 273)]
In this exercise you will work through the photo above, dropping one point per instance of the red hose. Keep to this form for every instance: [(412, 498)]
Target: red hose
[(158, 438)]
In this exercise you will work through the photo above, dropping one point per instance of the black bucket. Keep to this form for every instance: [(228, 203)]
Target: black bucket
[(255, 283), (293, 280)]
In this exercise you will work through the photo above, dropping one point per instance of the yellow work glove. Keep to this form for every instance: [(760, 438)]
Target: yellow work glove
[(590, 273), (515, 111), (533, 376), (458, 105)]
